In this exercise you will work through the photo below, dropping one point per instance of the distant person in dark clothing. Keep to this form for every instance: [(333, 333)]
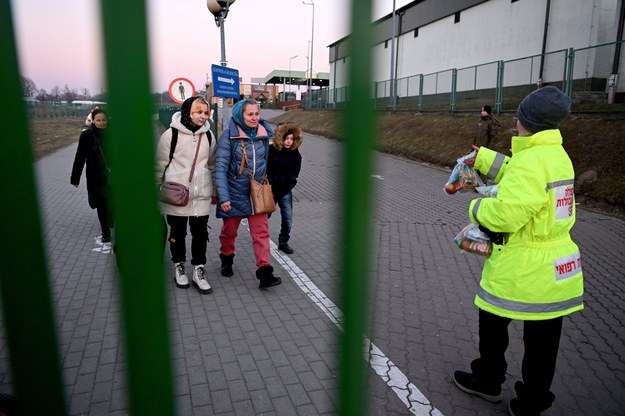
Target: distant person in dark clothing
[(485, 131), (285, 163), (90, 152)]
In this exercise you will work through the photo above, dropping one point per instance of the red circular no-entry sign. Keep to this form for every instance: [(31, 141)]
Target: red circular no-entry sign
[(180, 89)]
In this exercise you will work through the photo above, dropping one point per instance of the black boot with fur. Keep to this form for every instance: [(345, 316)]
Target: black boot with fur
[(226, 264), (266, 277)]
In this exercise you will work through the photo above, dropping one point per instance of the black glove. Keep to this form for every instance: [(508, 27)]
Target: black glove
[(495, 238)]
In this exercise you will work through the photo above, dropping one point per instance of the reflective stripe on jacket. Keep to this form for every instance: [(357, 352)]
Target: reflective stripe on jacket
[(536, 273)]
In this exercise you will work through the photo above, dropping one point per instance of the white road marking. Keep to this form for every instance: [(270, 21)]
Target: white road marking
[(407, 392)]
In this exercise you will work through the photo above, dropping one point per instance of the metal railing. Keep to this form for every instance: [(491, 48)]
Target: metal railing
[(584, 74)]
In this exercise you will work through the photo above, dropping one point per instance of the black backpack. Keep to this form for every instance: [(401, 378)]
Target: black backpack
[(174, 142)]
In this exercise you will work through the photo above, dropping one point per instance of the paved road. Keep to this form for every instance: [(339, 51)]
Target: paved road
[(242, 351)]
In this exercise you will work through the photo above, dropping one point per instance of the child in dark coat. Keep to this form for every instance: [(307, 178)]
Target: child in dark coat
[(285, 162)]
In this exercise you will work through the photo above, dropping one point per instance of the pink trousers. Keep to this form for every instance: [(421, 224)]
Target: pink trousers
[(259, 230)]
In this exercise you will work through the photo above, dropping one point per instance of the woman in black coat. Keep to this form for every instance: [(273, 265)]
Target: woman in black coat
[(91, 153)]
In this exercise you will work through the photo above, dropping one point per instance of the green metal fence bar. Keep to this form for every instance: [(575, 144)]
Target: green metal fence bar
[(454, 86), (139, 230), (499, 87), (360, 127), (27, 306), (420, 107), (569, 68)]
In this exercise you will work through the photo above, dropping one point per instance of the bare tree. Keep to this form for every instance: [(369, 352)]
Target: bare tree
[(29, 87), (42, 95), (56, 93), (69, 94)]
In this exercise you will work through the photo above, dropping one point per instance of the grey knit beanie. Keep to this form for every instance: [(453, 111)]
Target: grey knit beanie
[(544, 109)]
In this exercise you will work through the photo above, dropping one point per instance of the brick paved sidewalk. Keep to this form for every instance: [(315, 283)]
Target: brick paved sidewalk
[(242, 351)]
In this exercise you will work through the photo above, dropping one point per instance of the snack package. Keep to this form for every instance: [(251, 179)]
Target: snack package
[(463, 177), (488, 190), (474, 240)]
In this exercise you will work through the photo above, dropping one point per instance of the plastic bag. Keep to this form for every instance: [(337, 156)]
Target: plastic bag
[(463, 177), (488, 190), (474, 240)]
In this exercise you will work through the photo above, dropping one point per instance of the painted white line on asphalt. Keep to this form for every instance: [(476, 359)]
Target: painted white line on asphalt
[(407, 392)]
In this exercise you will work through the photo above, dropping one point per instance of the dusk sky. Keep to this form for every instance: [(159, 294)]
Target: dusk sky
[(60, 42)]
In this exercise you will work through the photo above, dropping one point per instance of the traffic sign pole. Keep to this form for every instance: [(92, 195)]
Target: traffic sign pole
[(226, 85)]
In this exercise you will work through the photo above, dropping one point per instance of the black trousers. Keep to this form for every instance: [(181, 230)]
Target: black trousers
[(178, 234), (541, 340), (105, 216)]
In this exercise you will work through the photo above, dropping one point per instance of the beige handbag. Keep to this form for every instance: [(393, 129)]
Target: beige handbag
[(174, 193), (260, 193)]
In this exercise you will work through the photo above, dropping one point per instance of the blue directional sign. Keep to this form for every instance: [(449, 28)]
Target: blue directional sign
[(225, 81)]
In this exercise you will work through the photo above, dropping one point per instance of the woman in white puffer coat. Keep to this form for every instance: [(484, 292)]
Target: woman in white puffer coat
[(193, 130)]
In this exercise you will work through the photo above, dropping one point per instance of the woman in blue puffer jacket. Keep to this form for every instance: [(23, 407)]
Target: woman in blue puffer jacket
[(247, 129)]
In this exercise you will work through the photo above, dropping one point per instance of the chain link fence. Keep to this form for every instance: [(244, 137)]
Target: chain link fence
[(57, 110)]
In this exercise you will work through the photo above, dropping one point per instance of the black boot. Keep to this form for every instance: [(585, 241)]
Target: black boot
[(226, 264), (266, 277), (484, 384), (284, 247), (528, 402)]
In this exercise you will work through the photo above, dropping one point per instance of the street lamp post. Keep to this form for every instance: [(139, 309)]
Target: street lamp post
[(312, 43), (307, 72), (220, 8), (290, 79)]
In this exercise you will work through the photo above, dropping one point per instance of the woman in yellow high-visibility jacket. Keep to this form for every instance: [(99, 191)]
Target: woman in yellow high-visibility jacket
[(534, 273)]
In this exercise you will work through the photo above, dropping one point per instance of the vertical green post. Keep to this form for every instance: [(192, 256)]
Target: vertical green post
[(454, 87), (26, 300), (500, 86), (473, 106), (360, 131), (139, 227), (420, 107), (567, 84)]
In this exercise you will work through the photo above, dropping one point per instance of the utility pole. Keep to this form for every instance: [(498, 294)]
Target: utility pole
[(312, 45)]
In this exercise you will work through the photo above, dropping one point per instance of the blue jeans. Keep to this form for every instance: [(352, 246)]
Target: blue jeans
[(286, 215)]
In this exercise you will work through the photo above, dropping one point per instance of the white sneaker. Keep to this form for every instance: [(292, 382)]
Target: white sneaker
[(180, 278), (199, 279)]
